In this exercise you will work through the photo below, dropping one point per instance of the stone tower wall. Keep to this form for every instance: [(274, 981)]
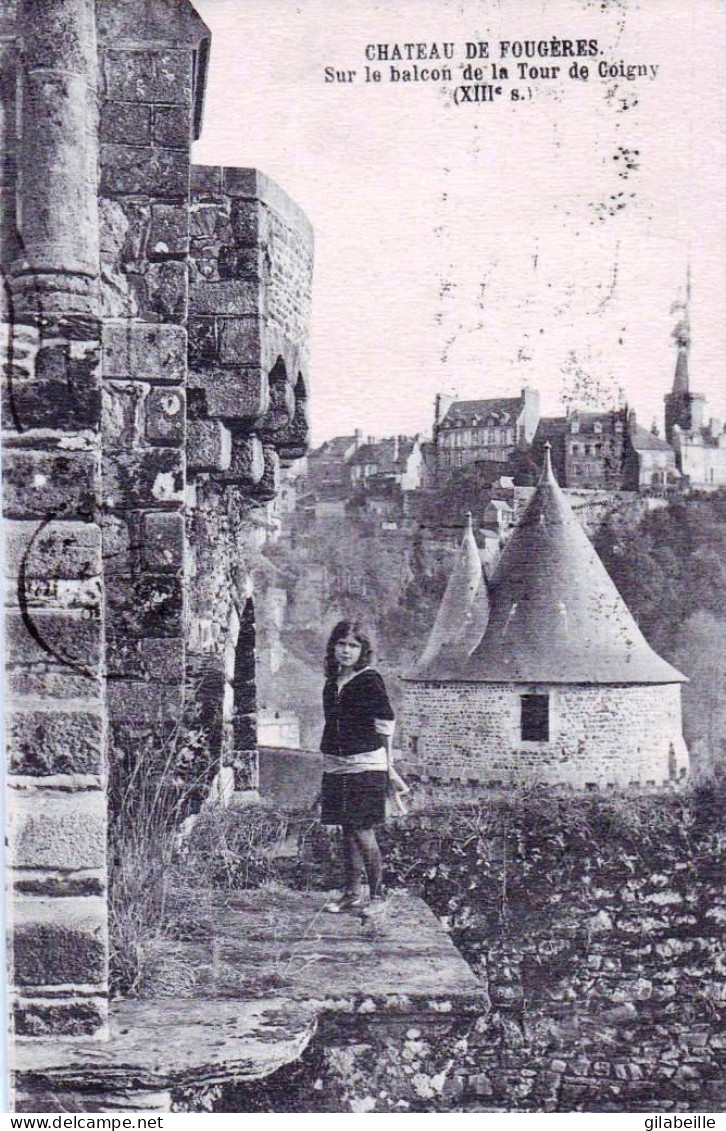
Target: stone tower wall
[(148, 87), (251, 259), (54, 592), (150, 396), (599, 736)]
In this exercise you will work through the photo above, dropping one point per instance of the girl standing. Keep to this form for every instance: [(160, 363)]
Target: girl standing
[(357, 745)]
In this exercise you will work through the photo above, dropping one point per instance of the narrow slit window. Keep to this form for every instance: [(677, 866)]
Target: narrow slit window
[(535, 718)]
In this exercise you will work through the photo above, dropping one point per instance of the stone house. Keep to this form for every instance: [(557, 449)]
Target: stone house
[(491, 429), (395, 460), (587, 448), (327, 466), (156, 318), (541, 674), (650, 463)]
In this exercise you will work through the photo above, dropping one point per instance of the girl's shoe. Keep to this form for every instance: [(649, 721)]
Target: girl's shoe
[(377, 906), (349, 901)]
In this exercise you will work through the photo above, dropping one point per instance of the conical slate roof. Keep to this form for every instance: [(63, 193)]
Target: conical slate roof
[(555, 615), (462, 615)]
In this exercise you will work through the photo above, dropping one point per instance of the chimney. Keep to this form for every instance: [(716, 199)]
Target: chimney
[(396, 448), (530, 413)]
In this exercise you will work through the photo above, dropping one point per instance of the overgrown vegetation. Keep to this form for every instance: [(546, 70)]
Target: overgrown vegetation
[(157, 850), (671, 571)]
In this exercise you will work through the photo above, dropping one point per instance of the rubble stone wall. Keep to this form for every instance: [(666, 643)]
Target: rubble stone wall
[(599, 736)]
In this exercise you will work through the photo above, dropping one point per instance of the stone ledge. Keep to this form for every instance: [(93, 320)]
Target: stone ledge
[(269, 967), (162, 1044)]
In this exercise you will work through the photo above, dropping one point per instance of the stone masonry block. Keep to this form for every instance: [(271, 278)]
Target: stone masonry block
[(52, 684), (247, 465), (143, 703), (209, 445), (43, 742), (150, 351), (162, 541), (61, 390), (203, 349), (229, 297), (156, 659), (76, 1017), (67, 638), (173, 126), (241, 263), (47, 829), (149, 76), (129, 75), (121, 420), (128, 170), (173, 77), (233, 394), (59, 550), (126, 122), (117, 560), (133, 480), (206, 180), (169, 230), (166, 291), (39, 484), (165, 415), (247, 218), (59, 941), (239, 341), (149, 605)]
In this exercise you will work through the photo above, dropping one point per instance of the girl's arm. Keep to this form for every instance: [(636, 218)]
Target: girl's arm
[(383, 717), (384, 728)]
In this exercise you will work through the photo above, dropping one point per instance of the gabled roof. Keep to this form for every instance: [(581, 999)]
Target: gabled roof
[(555, 616), (644, 441), (337, 447), (462, 614), (385, 454), (465, 412), (552, 426)]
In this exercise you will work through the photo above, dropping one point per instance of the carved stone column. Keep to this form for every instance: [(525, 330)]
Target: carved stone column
[(57, 268)]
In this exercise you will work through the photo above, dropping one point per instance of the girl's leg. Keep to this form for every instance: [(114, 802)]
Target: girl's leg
[(371, 854), (353, 860)]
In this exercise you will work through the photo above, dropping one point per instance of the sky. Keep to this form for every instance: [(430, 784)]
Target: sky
[(474, 249)]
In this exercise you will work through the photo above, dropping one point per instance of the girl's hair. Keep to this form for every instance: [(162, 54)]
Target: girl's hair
[(345, 628)]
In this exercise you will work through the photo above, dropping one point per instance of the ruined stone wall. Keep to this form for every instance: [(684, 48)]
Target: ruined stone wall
[(603, 736), (249, 306), (149, 84), (129, 514)]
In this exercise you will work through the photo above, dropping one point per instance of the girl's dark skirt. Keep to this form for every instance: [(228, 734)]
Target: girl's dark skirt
[(355, 800)]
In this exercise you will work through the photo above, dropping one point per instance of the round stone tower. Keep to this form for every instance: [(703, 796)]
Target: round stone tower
[(542, 674)]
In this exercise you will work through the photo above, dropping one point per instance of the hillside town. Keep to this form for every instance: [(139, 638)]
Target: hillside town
[(500, 440)]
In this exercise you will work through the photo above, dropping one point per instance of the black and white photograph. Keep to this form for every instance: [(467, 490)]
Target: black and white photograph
[(364, 558)]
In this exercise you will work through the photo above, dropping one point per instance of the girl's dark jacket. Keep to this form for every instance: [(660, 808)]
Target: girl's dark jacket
[(351, 713)]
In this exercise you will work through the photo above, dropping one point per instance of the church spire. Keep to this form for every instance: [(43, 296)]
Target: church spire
[(682, 337)]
